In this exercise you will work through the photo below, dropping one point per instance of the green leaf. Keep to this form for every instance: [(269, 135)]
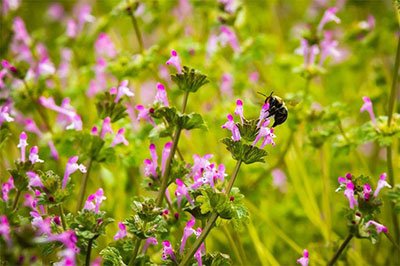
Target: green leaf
[(107, 107), (111, 257), (190, 80), (247, 153), (4, 135)]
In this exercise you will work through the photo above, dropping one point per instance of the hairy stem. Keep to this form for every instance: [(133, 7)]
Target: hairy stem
[(138, 33), (83, 187), (89, 251), (14, 206), (340, 250), (210, 222), (135, 252), (62, 216)]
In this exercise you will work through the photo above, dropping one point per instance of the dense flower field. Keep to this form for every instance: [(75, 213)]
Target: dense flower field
[(189, 132)]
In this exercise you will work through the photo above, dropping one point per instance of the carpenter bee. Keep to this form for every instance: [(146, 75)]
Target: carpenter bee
[(277, 109)]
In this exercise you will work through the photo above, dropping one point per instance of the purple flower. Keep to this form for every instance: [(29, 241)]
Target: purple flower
[(182, 191), (228, 36), (367, 191), (55, 11), (187, 232), (349, 193), (106, 127), (150, 166), (144, 114), (381, 184), (6, 65), (329, 47), (5, 115), (379, 227), (120, 138), (367, 106), (303, 261), (20, 32), (168, 251), (239, 109), (175, 61), (34, 179), (279, 179), (94, 201), (22, 145), (67, 114), (254, 77), (104, 46), (226, 85), (5, 229), (71, 168), (10, 5), (122, 90), (165, 154), (265, 133), (149, 241), (99, 82), (308, 52), (161, 95), (69, 239), (42, 225), (121, 232), (329, 15), (231, 125), (264, 113), (6, 188), (34, 156)]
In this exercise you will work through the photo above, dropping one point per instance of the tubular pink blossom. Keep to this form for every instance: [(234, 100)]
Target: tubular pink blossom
[(165, 155), (144, 114), (226, 86), (367, 191), (5, 230), (175, 61), (187, 232), (303, 261), (120, 138), (381, 184), (34, 156), (94, 201), (104, 46), (34, 179), (106, 127), (121, 232), (182, 191), (263, 114), (71, 168), (161, 95), (228, 36), (379, 227), (329, 15), (149, 241), (23, 143), (6, 188), (123, 90), (231, 125), (167, 251), (239, 109), (367, 106), (349, 193)]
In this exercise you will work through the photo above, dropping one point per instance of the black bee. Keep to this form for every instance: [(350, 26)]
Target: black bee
[(277, 109)]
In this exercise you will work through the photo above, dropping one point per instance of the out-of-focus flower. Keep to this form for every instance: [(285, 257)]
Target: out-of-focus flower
[(279, 179), (229, 5), (5, 114), (329, 15), (104, 47), (23, 143), (367, 25), (121, 232), (149, 241), (309, 52), (379, 227), (381, 184), (71, 168), (9, 67), (10, 5), (67, 114), (165, 154), (120, 138), (6, 188), (99, 83), (34, 179), (168, 251), (329, 47), (367, 191), (228, 36), (254, 77), (239, 109), (94, 201), (161, 95), (69, 239), (5, 230), (20, 32), (226, 84), (122, 90), (182, 191), (34, 156), (106, 127), (349, 193), (265, 133), (144, 114), (42, 225), (231, 125), (367, 106), (55, 11), (187, 232), (175, 61), (303, 261)]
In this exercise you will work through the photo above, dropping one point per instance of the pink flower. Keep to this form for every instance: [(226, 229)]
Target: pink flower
[(100, 81), (71, 168), (228, 36), (265, 133), (349, 193), (150, 168), (5, 115), (239, 109), (367, 106), (10, 5), (123, 90), (42, 225), (121, 232), (34, 156), (329, 47), (165, 154), (254, 77), (379, 227), (6, 65), (67, 114), (182, 191), (20, 32), (226, 86), (120, 138), (175, 61), (168, 251), (104, 46), (106, 127), (5, 230), (34, 179), (6, 188), (367, 191), (279, 179), (264, 113), (231, 125), (187, 232), (149, 241), (329, 15), (94, 201), (161, 95), (303, 261), (381, 184), (23, 143), (55, 11), (144, 114)]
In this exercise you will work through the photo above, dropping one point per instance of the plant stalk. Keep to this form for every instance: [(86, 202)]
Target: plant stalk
[(136, 27), (89, 251), (340, 250), (83, 187), (135, 252), (210, 222), (395, 85), (15, 203), (62, 216)]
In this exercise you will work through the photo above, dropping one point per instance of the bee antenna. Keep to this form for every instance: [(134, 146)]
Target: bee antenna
[(262, 94), (272, 92)]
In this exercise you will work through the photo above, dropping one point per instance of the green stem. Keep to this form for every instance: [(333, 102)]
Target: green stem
[(62, 217), (390, 171), (89, 251), (185, 100), (340, 250), (14, 206), (395, 85), (392, 240), (210, 222), (83, 187), (135, 252), (136, 27)]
